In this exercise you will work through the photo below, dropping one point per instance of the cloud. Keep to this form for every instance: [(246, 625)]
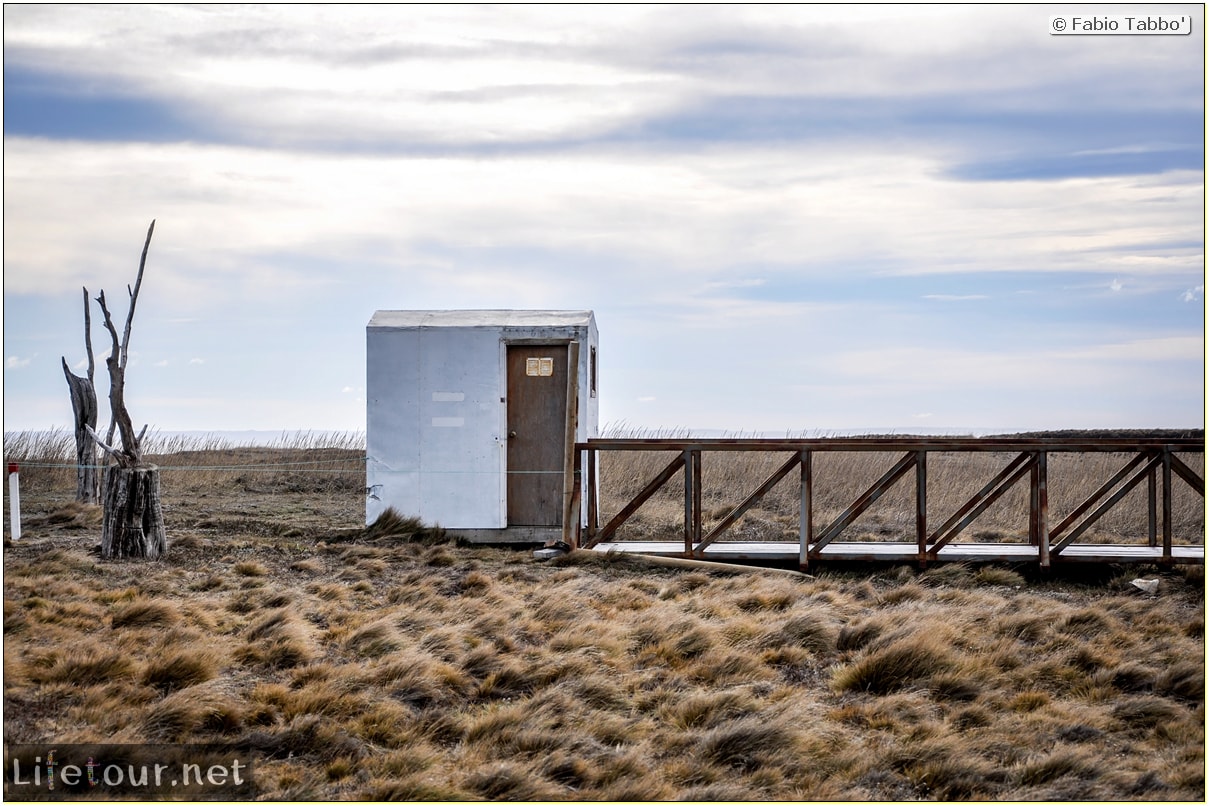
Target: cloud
[(14, 362), (1115, 286), (500, 81), (248, 224), (715, 178), (197, 360)]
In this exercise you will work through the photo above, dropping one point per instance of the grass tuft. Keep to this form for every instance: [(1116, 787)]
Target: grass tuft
[(180, 669), (914, 659), (508, 782), (374, 640), (391, 526), (88, 666), (1185, 680), (145, 613), (748, 744)]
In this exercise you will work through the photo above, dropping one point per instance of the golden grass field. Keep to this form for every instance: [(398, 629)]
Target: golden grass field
[(395, 664)]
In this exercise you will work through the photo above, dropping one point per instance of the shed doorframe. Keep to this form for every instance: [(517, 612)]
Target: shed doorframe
[(554, 430)]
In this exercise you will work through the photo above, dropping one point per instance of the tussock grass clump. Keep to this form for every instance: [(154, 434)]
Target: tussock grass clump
[(277, 641), (86, 666), (856, 636), (1185, 680), (374, 640), (1128, 677), (995, 575), (956, 574), (249, 568), (710, 708), (145, 613), (190, 713), (310, 737), (392, 526), (814, 631), (1146, 712), (328, 698), (1061, 763), (76, 515), (329, 592), (774, 600), (1085, 623), (906, 661), (722, 667), (955, 687), (419, 680), (180, 669), (515, 678), (748, 744), (387, 724), (509, 782), (953, 778)]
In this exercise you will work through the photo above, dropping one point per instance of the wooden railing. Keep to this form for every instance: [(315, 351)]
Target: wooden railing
[(1153, 460)]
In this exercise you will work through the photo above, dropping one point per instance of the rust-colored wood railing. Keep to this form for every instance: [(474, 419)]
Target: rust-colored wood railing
[(1153, 459)]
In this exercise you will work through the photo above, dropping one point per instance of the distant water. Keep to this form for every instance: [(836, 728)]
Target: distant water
[(253, 437)]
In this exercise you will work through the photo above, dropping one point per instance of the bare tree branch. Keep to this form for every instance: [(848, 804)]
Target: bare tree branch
[(116, 454), (88, 336), (131, 454), (134, 295)]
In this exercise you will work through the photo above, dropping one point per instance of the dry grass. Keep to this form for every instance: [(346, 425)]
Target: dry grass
[(391, 665)]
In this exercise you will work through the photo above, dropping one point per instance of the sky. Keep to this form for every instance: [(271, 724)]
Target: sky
[(787, 219)]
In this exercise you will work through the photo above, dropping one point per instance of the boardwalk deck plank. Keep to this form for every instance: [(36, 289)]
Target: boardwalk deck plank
[(907, 552)]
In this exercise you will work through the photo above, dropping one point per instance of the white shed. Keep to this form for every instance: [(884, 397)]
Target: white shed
[(472, 416)]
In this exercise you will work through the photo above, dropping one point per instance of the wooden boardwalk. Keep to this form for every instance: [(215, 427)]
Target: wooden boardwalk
[(788, 551), (1155, 463)]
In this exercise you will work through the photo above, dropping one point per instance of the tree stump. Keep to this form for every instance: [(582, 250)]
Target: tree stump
[(133, 523)]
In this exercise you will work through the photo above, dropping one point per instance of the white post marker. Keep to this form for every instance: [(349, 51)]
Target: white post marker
[(14, 499)]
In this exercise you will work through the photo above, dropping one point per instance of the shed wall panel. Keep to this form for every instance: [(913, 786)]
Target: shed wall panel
[(436, 410)]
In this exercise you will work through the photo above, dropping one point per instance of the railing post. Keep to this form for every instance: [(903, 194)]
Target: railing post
[(689, 476), (921, 506), (1152, 519), (1166, 504), (593, 511), (1041, 493), (697, 464), (805, 515)]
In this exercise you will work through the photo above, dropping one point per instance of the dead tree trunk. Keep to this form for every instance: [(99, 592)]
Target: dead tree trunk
[(84, 406), (133, 522)]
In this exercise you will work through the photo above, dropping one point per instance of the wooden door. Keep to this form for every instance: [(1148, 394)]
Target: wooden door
[(537, 412)]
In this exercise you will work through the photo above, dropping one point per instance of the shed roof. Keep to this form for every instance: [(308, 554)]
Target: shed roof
[(480, 318)]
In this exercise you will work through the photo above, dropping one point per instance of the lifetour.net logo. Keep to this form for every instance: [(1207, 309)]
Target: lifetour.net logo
[(100, 771)]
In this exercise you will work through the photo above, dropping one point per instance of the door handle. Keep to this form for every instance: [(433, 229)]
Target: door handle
[(511, 435)]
